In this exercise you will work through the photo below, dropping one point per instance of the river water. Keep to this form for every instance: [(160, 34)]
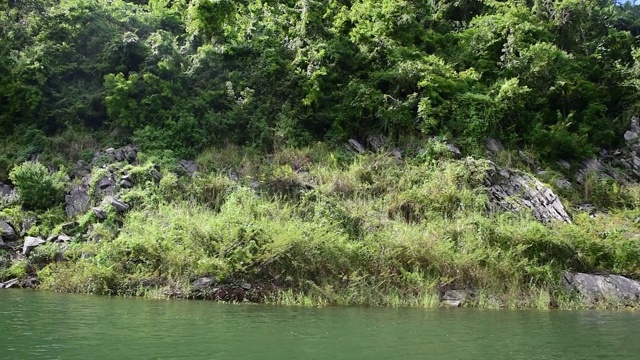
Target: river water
[(40, 325)]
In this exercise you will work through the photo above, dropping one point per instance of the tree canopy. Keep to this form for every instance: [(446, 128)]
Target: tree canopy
[(560, 76)]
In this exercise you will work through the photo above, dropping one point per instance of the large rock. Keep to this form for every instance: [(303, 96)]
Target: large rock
[(31, 243), (107, 186), (7, 232), (6, 190), (455, 298), (204, 282), (355, 146), (493, 146), (203, 288), (77, 201), (119, 205), (188, 167), (13, 283), (598, 288), (512, 190), (99, 213), (630, 136)]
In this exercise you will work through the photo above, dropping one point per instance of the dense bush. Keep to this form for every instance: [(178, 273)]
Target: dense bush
[(38, 188)]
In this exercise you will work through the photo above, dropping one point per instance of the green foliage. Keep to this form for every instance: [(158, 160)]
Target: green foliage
[(223, 81), (186, 75), (39, 189)]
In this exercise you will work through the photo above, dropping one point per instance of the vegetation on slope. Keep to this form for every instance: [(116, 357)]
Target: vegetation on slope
[(187, 79), (363, 230)]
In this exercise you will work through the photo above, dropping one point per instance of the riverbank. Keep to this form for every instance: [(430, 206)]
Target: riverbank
[(316, 226)]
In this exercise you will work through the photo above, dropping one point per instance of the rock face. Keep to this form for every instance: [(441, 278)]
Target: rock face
[(598, 288), (31, 243), (512, 190), (7, 232), (622, 165), (127, 153), (493, 146), (77, 201), (107, 186), (188, 167)]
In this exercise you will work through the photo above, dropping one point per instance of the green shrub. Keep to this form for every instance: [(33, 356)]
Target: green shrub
[(38, 188)]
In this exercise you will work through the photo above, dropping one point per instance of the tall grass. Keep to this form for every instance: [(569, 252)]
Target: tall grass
[(369, 231)]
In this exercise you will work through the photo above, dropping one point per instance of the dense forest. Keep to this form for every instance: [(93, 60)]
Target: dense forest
[(196, 149), (558, 76)]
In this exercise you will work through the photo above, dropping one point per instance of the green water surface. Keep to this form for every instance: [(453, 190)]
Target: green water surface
[(40, 325)]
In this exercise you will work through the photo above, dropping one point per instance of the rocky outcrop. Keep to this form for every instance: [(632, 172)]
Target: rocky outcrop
[(13, 283), (594, 289), (127, 153), (512, 190), (456, 298), (354, 146), (7, 233), (77, 201), (119, 205), (31, 243), (621, 165), (188, 167), (493, 146)]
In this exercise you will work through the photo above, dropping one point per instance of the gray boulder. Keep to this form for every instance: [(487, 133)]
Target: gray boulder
[(454, 151), (7, 232), (203, 282), (155, 174), (630, 136), (77, 201), (455, 298), (355, 146), (81, 170), (125, 184), (188, 167), (31, 243), (511, 190), (117, 204), (493, 146), (62, 238), (13, 283), (107, 186), (99, 213), (598, 288)]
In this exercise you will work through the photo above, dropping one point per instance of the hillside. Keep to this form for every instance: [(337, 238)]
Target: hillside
[(321, 152)]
